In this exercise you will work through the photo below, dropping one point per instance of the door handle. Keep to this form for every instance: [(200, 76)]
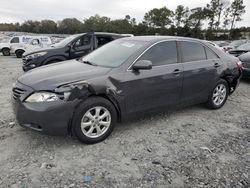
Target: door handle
[(177, 71), (216, 65)]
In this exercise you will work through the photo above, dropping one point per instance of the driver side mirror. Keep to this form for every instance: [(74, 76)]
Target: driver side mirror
[(142, 65)]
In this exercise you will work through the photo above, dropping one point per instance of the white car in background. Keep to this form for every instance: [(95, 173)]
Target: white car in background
[(35, 42), (5, 46)]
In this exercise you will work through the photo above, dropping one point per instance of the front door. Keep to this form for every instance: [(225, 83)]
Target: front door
[(81, 46), (161, 86)]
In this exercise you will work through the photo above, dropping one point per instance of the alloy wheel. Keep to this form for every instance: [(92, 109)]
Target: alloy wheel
[(219, 94), (95, 122)]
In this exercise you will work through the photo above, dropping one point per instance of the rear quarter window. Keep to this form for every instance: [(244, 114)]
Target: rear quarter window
[(211, 54), (192, 51)]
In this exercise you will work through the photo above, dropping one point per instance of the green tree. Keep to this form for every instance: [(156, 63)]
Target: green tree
[(96, 23), (120, 26), (180, 15), (48, 26), (236, 10), (158, 17), (9, 27), (222, 6), (196, 18), (31, 26), (70, 26)]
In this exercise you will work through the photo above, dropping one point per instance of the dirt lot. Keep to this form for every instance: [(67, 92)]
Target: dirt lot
[(193, 147)]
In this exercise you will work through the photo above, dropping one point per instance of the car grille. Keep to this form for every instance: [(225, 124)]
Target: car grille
[(17, 92), (25, 60)]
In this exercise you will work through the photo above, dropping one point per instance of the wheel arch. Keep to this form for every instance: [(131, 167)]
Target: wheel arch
[(54, 58), (5, 48), (111, 99), (19, 50)]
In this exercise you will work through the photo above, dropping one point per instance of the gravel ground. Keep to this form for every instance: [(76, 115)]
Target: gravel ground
[(192, 147)]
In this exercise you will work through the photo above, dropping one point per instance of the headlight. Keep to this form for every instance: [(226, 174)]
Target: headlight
[(42, 97), (36, 55)]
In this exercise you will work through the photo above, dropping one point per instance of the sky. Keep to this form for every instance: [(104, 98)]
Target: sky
[(20, 10)]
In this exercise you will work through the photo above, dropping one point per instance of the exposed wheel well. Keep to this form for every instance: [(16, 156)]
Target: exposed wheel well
[(113, 101), (232, 83)]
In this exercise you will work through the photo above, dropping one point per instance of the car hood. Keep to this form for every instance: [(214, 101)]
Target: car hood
[(30, 51), (51, 76), (4, 44)]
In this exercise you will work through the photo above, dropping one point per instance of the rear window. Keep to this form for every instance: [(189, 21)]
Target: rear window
[(192, 51), (101, 40)]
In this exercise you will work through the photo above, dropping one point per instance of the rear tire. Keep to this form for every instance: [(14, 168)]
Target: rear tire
[(94, 120), (6, 52), (218, 96), (19, 53)]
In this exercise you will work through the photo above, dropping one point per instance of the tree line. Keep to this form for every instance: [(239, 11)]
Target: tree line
[(217, 16)]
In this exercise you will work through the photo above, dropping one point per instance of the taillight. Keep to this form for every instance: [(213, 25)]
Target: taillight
[(239, 65)]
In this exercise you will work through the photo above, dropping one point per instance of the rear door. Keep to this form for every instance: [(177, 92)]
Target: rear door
[(158, 87), (200, 71)]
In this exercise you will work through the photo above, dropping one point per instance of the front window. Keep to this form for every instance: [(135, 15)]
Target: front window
[(82, 41), (114, 53), (163, 53), (15, 40)]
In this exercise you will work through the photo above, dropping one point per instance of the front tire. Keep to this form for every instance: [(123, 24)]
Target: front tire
[(94, 120), (218, 96), (6, 52)]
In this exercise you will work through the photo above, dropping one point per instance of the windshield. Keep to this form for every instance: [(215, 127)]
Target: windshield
[(237, 43), (244, 47), (114, 53), (65, 41)]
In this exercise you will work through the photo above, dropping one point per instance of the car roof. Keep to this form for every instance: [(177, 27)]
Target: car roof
[(154, 39), (99, 33), (160, 38)]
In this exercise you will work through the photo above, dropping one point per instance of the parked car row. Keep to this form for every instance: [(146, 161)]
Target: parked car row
[(88, 95), (17, 45), (74, 46)]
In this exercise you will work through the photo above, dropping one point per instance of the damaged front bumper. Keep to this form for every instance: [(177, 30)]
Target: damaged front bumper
[(52, 118)]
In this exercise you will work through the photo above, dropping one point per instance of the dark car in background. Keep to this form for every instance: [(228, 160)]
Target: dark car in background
[(72, 47), (221, 43), (245, 59), (244, 48), (86, 97)]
